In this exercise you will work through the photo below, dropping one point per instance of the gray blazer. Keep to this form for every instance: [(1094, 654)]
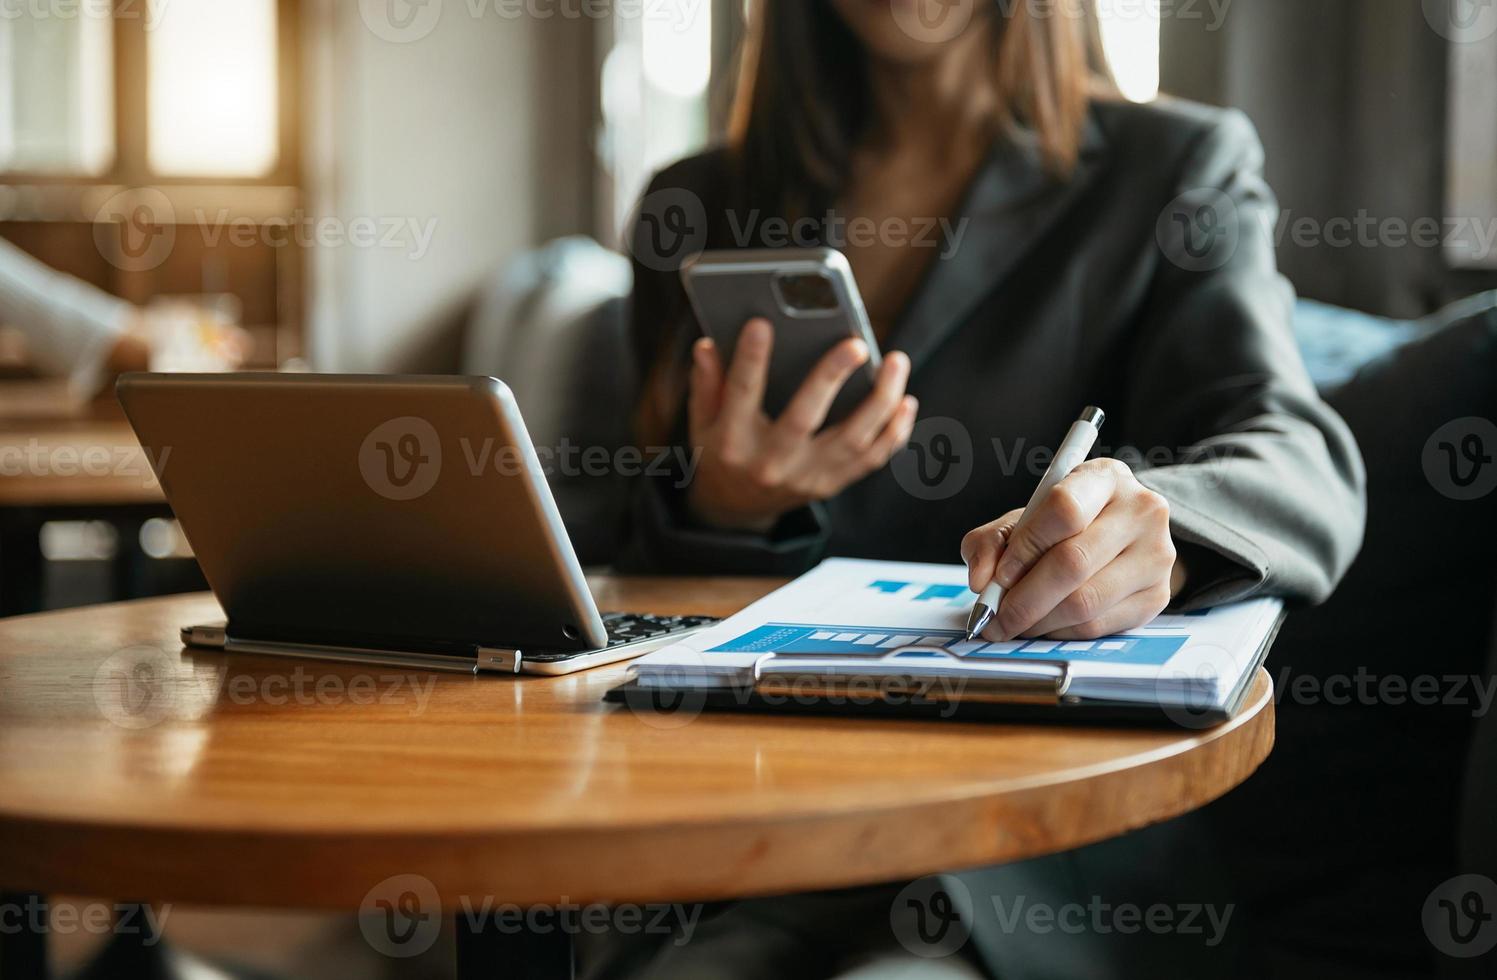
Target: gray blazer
[(1144, 283)]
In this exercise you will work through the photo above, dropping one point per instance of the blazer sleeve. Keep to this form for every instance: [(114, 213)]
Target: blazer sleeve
[(1266, 488)]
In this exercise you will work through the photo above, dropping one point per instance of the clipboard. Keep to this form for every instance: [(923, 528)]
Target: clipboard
[(1041, 696)]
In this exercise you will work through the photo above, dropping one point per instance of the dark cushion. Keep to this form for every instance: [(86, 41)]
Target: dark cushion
[(1352, 821)]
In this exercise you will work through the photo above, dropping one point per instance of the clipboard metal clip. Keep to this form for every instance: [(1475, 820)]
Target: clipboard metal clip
[(827, 675)]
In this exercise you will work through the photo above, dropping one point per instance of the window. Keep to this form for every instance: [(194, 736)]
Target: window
[(1471, 141), (655, 81), (211, 70), (1130, 36), (56, 93), (181, 114)]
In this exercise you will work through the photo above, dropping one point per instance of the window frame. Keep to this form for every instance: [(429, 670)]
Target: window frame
[(130, 166), (73, 199)]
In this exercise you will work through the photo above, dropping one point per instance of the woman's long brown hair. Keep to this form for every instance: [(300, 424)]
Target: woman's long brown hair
[(804, 97), (804, 103)]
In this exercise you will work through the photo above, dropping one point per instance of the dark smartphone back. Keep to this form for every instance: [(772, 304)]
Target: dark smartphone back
[(810, 297)]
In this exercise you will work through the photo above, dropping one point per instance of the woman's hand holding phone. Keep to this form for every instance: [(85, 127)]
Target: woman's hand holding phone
[(755, 469)]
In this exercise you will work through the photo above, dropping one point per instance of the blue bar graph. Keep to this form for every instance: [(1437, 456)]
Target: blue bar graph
[(941, 592), (888, 588), (938, 592), (805, 638)]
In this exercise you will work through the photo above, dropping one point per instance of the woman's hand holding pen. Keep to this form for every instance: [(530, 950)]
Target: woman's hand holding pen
[(755, 469), (1095, 558)]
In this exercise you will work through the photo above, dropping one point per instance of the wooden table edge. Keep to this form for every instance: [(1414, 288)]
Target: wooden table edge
[(755, 856)]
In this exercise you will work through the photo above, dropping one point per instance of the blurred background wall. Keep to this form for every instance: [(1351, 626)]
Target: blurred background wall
[(1359, 103), (478, 130), (489, 127)]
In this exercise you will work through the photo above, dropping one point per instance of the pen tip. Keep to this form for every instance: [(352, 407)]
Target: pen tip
[(978, 620)]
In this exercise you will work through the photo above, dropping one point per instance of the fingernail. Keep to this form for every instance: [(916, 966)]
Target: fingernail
[(1008, 573), (914, 404)]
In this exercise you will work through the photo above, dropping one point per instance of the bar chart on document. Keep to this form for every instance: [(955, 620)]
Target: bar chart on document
[(855, 608)]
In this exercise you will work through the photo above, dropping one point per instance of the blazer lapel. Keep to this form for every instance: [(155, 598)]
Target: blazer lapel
[(1011, 202)]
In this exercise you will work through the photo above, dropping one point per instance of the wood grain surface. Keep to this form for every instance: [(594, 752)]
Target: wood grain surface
[(134, 769)]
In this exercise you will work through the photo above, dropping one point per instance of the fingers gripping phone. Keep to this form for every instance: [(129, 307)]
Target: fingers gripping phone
[(810, 298)]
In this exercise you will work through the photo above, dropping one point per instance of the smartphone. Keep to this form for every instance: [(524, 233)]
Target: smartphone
[(810, 298)]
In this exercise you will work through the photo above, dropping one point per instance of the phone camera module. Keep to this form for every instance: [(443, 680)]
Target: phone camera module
[(806, 292)]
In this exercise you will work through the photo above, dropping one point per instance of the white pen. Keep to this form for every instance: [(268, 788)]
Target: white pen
[(1072, 453)]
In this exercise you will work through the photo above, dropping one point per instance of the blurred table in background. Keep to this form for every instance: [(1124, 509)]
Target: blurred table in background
[(63, 458)]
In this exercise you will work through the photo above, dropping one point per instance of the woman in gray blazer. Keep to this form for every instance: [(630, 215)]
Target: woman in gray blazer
[(1027, 243)]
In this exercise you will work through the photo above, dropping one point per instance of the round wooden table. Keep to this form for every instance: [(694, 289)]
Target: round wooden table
[(134, 769)]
